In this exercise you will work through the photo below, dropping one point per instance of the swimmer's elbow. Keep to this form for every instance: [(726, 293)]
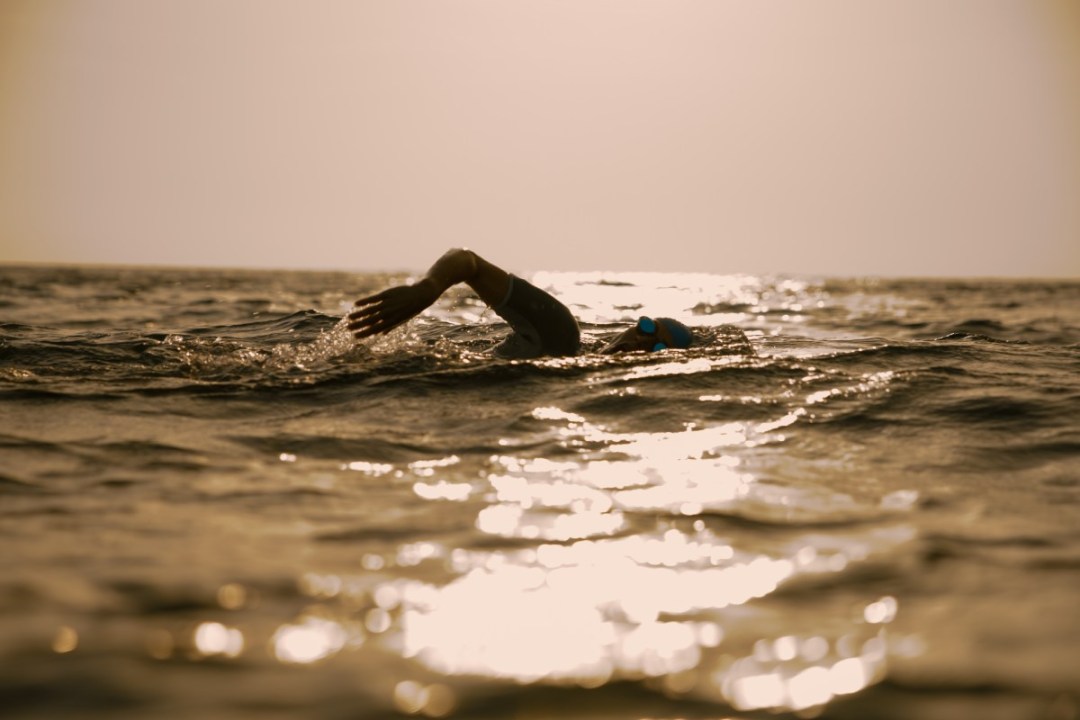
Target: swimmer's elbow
[(462, 255), (466, 262), (456, 265)]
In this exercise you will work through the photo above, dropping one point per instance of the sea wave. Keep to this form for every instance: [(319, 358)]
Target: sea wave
[(851, 494)]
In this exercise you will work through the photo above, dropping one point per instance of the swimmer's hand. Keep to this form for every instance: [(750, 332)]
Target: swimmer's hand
[(382, 312)]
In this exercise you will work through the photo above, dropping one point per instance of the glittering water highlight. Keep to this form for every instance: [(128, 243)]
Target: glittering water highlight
[(853, 499)]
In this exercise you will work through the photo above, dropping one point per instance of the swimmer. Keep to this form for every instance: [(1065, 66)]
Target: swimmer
[(542, 325)]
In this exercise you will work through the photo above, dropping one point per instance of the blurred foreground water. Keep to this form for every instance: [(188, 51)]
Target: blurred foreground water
[(856, 499)]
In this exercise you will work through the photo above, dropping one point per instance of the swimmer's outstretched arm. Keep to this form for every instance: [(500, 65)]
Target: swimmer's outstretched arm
[(386, 310)]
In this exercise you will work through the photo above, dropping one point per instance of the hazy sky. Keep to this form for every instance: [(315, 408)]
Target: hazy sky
[(886, 137)]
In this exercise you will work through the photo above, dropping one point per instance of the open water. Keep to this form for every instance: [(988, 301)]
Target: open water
[(858, 499)]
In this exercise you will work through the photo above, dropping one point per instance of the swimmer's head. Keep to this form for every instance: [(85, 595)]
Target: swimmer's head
[(651, 335)]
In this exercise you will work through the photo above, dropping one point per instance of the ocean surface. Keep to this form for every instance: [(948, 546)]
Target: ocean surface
[(853, 499)]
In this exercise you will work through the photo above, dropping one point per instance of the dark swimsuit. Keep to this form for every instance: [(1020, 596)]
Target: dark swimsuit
[(542, 325)]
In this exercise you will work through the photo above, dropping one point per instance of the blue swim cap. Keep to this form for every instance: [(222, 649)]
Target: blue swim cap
[(680, 334)]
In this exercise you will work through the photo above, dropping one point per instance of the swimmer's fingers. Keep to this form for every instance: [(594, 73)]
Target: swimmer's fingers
[(384, 311), (377, 320), (364, 304)]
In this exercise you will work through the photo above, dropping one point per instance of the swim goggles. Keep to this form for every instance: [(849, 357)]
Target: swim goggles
[(647, 326)]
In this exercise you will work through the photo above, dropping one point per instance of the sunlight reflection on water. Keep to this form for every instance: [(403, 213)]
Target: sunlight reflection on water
[(310, 640), (603, 297), (213, 638), (232, 497), (592, 599)]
